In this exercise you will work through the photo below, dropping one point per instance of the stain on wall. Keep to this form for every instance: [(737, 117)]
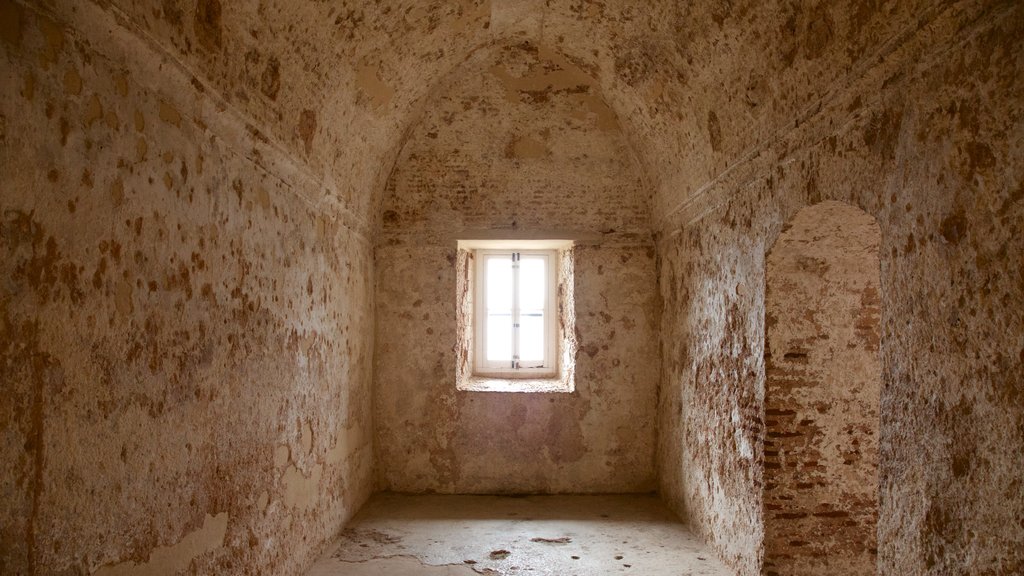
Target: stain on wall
[(922, 139), (292, 115), (173, 313), (465, 170), (170, 560)]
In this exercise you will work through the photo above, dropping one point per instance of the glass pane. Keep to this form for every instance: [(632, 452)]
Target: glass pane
[(499, 336), (532, 283), (498, 282), (531, 337), (498, 301)]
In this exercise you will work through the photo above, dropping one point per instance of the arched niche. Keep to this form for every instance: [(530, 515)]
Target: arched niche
[(823, 372)]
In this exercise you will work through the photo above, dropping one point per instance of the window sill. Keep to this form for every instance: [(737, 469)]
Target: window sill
[(497, 384)]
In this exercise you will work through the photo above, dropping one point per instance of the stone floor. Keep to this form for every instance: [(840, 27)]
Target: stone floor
[(398, 535)]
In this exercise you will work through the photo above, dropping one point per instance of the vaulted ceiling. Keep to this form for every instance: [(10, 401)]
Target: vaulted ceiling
[(697, 87)]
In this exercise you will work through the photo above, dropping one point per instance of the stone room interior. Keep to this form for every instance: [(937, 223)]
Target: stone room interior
[(456, 287)]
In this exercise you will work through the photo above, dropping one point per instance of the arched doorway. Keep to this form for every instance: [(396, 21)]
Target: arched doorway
[(822, 331)]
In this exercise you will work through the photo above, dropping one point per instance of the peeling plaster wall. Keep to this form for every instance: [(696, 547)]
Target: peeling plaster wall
[(740, 113), (822, 373), (925, 139), (518, 142), (185, 338), (330, 82)]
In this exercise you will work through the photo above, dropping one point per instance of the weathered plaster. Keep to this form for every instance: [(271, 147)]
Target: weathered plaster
[(171, 560), (734, 115), (464, 170), (923, 140), (173, 311), (822, 376)]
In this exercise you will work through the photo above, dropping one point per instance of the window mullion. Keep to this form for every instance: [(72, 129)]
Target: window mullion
[(515, 310)]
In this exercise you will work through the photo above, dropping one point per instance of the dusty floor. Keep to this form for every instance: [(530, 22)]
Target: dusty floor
[(558, 535)]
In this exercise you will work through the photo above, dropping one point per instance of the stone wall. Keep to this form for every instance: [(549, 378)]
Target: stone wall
[(517, 144), (923, 136), (822, 375), (185, 336), (740, 114)]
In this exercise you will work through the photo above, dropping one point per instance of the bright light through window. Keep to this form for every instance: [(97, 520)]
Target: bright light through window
[(515, 312)]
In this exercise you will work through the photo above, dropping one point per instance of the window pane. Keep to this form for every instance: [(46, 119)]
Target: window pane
[(498, 301), (499, 337), (532, 282), (499, 283), (531, 338)]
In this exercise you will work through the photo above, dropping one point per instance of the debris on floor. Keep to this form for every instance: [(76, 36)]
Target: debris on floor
[(562, 540), (437, 535)]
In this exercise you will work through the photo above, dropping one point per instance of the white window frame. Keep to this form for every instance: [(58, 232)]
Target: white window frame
[(514, 369)]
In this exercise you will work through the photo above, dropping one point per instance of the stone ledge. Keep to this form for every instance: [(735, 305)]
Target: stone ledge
[(494, 384)]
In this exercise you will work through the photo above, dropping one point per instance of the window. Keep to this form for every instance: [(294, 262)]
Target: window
[(515, 316), (515, 329)]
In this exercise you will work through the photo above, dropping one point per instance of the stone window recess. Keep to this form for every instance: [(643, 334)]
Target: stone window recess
[(515, 316)]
